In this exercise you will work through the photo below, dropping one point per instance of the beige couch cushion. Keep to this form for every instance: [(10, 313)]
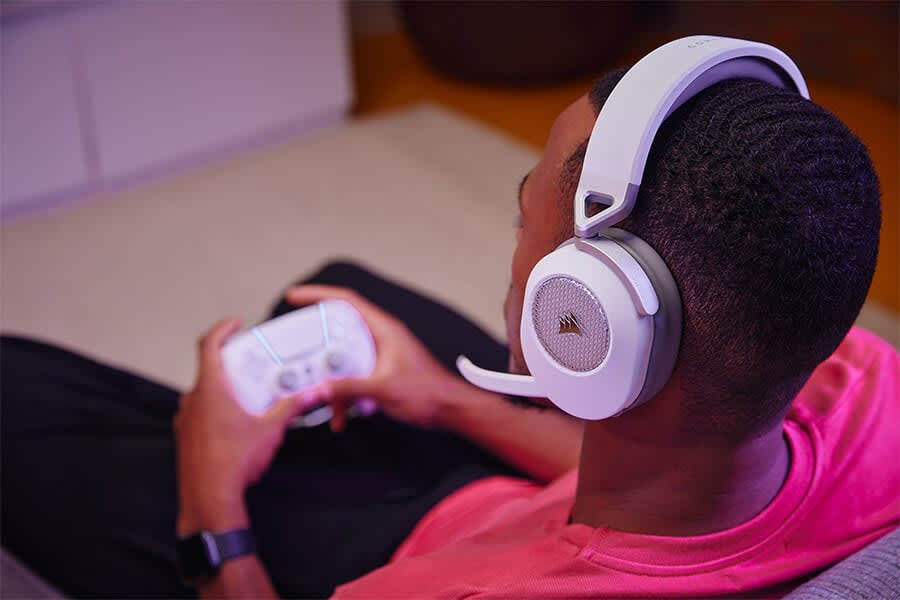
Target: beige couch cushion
[(421, 195)]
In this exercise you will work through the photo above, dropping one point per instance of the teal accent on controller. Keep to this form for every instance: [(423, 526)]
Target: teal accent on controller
[(324, 319), (265, 343)]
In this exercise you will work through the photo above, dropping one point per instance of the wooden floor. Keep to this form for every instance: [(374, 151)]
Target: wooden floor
[(391, 75)]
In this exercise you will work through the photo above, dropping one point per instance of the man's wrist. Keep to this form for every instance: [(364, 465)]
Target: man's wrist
[(455, 400)]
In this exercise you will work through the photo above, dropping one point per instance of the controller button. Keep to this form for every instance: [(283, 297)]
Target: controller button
[(288, 381)]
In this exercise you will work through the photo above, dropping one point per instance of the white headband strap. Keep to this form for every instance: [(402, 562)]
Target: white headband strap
[(648, 93)]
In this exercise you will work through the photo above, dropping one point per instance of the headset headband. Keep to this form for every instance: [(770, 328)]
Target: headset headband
[(648, 93)]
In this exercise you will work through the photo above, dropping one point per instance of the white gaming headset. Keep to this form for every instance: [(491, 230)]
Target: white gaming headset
[(601, 321)]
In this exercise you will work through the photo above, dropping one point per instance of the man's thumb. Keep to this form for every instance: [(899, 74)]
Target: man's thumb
[(347, 389), (287, 408), (335, 391)]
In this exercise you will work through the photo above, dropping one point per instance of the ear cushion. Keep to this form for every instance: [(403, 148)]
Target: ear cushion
[(666, 322)]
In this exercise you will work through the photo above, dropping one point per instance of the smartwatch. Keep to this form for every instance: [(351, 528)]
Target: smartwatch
[(201, 555)]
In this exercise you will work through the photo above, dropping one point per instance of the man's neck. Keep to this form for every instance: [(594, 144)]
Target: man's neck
[(646, 484)]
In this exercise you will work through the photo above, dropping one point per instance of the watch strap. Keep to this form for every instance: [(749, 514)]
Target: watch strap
[(200, 556), (234, 543)]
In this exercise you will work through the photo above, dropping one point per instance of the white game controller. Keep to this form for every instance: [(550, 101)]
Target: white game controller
[(283, 356)]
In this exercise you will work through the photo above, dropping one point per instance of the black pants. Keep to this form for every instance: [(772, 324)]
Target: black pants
[(89, 496)]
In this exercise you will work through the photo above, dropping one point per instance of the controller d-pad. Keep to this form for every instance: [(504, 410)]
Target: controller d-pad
[(254, 366)]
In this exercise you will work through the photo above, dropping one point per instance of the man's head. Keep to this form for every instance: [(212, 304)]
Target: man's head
[(766, 210)]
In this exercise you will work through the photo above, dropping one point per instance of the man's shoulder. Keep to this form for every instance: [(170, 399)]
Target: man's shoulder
[(862, 374), (860, 346), (844, 424)]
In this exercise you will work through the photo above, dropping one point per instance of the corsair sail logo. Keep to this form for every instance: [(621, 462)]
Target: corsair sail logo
[(568, 323)]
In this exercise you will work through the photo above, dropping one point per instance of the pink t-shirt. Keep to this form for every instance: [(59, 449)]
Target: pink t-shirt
[(506, 538)]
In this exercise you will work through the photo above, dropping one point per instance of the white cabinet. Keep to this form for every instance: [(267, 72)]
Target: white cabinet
[(101, 95), (41, 143)]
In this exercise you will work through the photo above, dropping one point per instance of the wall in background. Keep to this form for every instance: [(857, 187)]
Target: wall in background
[(852, 44), (373, 17), (847, 43), (99, 95)]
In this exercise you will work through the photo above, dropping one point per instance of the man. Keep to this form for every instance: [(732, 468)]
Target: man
[(757, 202), (756, 466)]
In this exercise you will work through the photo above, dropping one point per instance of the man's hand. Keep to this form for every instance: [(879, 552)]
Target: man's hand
[(221, 448), (408, 383)]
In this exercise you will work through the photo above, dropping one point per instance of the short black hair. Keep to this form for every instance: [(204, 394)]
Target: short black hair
[(766, 209)]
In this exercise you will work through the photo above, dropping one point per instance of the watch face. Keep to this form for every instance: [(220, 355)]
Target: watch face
[(198, 557)]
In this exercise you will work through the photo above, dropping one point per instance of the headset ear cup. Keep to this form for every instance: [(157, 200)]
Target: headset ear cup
[(586, 333), (667, 322)]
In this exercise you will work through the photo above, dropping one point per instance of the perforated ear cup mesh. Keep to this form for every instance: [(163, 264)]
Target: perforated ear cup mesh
[(570, 324)]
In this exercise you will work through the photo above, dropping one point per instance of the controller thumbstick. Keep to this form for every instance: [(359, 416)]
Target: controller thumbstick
[(335, 360), (288, 381)]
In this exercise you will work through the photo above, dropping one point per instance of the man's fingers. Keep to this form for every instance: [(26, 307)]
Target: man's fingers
[(312, 293), (339, 418), (339, 394), (209, 345), (347, 390), (286, 409)]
